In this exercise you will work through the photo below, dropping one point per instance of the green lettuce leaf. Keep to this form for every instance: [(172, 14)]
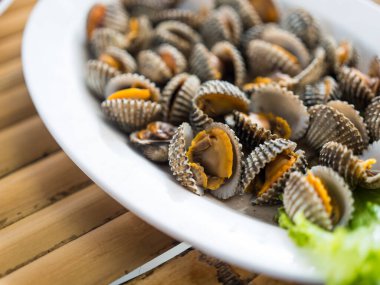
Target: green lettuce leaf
[(348, 255)]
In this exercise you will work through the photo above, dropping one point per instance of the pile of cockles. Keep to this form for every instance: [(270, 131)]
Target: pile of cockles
[(240, 100)]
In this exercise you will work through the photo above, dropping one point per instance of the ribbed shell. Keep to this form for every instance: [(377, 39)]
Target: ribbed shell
[(354, 116), (128, 62), (97, 76), (116, 17), (179, 58), (259, 158), (127, 80), (248, 14), (353, 55), (249, 134), (200, 64), (143, 38), (185, 16), (155, 4), (131, 115), (343, 161), (223, 24), (272, 98), (226, 52), (374, 67), (373, 151), (321, 92), (314, 71), (153, 67), (329, 44), (300, 197), (372, 118), (177, 34), (177, 98), (328, 124), (253, 33), (179, 163), (302, 24), (264, 58), (198, 118), (104, 38), (354, 90)]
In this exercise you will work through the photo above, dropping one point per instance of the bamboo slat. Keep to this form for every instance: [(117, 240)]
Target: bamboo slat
[(38, 185), (23, 143), (197, 269), (10, 74), (40, 233), (20, 4), (15, 105), (10, 47), (98, 257), (13, 22)]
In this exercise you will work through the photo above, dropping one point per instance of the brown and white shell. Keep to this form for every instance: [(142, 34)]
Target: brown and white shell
[(162, 64), (272, 98), (303, 25), (352, 168), (327, 124), (142, 39), (179, 163), (188, 17), (177, 98), (131, 115), (132, 80), (248, 15), (372, 180), (103, 38), (372, 118), (127, 61), (177, 34), (321, 92), (354, 116), (259, 158), (354, 88), (223, 24), (249, 133), (200, 117), (265, 58), (98, 74), (300, 197)]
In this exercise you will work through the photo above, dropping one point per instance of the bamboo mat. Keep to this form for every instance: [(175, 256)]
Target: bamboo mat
[(56, 226)]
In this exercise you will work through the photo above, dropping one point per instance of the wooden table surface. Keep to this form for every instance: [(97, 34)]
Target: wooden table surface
[(56, 225)]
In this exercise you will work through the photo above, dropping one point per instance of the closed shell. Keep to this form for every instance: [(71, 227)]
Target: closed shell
[(104, 38), (131, 115), (372, 118), (321, 92), (128, 63), (97, 76), (314, 71), (177, 34), (177, 98), (328, 124), (264, 58), (224, 24), (214, 92), (303, 25), (259, 158), (300, 197), (185, 16), (354, 88), (137, 40), (272, 98), (201, 63)]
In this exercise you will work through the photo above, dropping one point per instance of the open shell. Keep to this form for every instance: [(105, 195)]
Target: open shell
[(321, 92), (372, 152), (140, 39), (354, 88), (224, 24), (152, 64), (372, 118), (267, 10), (98, 74), (300, 197), (177, 98), (185, 16), (247, 12), (131, 115), (259, 158), (177, 34), (129, 80), (328, 124), (314, 71), (179, 163), (354, 116), (104, 38), (215, 89), (303, 25), (272, 98), (264, 58), (127, 61), (249, 134)]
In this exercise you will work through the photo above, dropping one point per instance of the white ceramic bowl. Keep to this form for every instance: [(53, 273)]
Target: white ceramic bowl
[(4, 4), (54, 58)]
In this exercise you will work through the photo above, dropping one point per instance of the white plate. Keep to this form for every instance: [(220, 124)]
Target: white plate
[(54, 57)]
